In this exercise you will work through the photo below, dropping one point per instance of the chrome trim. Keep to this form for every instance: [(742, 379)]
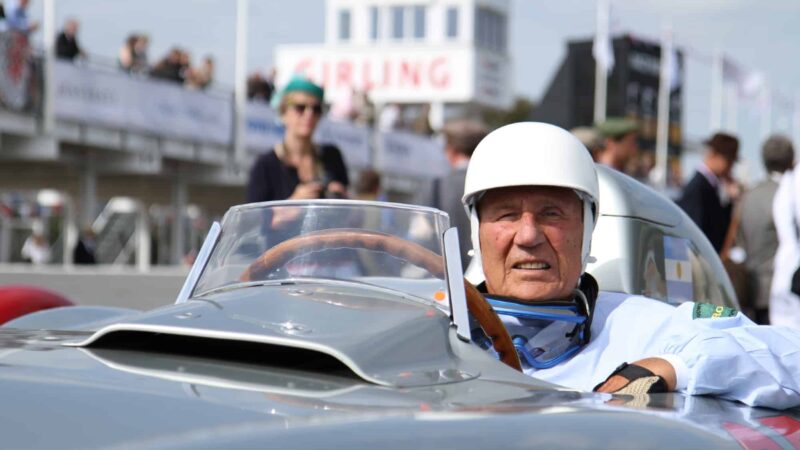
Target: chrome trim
[(455, 284), (337, 202), (199, 263), (321, 281)]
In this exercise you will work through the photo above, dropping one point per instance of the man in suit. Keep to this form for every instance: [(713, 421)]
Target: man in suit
[(461, 138), (753, 229), (708, 197)]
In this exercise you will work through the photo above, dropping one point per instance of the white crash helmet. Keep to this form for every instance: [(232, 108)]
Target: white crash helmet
[(530, 154)]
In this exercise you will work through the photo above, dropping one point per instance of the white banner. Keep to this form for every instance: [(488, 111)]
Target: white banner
[(404, 153), (263, 127), (91, 96), (353, 140), (116, 100)]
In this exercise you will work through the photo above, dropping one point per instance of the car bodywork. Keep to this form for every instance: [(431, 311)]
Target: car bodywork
[(304, 356)]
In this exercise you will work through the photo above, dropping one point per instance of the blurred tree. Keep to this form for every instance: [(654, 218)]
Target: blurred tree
[(520, 111)]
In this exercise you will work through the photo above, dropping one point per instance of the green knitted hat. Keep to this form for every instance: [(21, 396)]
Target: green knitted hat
[(300, 83)]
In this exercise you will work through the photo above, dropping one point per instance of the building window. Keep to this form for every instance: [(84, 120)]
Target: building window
[(344, 25), (490, 30), (419, 22), (452, 22), (374, 23), (398, 13)]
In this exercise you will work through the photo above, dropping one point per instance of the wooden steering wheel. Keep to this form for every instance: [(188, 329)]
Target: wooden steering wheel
[(395, 246)]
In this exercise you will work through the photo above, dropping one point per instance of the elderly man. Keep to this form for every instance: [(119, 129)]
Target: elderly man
[(532, 194)]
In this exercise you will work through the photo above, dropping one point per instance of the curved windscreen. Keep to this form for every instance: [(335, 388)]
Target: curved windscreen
[(387, 245)]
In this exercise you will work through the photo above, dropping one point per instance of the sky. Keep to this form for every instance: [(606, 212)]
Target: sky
[(759, 35)]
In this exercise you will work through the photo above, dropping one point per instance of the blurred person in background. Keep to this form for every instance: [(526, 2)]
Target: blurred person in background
[(422, 123), (133, 54), (461, 138), (784, 301), (16, 12), (590, 139), (84, 252), (620, 143), (259, 88), (140, 61), (391, 117), (185, 66), (709, 196), (171, 67), (201, 77), (296, 168), (368, 186), (752, 240), (365, 110), (342, 108), (67, 42), (36, 249)]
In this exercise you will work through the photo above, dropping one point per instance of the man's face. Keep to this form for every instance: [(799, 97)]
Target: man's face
[(629, 146), (530, 240), (721, 165)]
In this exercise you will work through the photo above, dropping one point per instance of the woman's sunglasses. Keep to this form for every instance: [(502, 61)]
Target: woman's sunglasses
[(300, 108)]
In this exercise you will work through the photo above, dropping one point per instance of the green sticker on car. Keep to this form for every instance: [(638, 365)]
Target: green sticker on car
[(710, 311)]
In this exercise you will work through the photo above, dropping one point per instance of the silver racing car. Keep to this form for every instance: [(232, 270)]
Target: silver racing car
[(345, 324)]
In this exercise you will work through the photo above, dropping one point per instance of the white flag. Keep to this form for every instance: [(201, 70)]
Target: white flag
[(749, 83), (674, 70), (603, 48)]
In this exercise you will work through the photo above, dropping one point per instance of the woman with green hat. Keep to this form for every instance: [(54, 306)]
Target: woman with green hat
[(296, 168)]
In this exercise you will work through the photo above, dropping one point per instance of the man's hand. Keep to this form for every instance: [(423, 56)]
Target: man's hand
[(659, 367)]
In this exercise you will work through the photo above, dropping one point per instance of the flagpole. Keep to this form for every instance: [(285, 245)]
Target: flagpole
[(662, 130), (717, 91), (766, 118), (600, 69), (240, 85), (732, 115), (796, 121), (49, 36)]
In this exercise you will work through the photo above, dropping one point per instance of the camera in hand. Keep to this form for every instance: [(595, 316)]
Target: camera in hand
[(326, 193)]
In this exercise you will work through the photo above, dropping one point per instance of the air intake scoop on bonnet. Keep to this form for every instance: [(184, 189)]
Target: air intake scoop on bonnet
[(391, 342)]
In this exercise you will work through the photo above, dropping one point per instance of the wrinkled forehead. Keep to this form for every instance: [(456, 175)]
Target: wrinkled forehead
[(529, 196)]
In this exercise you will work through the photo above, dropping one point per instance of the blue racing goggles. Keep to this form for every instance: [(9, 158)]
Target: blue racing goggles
[(545, 333)]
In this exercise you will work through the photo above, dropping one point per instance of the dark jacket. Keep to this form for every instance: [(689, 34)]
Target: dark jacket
[(67, 47), (271, 179), (701, 202)]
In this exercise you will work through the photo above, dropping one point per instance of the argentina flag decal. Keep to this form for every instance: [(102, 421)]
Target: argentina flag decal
[(678, 269)]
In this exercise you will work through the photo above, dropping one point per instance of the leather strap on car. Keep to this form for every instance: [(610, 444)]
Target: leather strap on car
[(640, 380)]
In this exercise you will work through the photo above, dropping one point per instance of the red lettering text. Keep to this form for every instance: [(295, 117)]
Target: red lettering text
[(409, 73), (366, 76), (344, 74), (387, 73), (439, 74)]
